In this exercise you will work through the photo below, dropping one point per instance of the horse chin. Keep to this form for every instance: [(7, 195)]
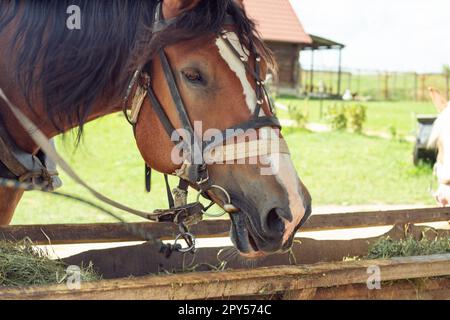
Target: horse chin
[(443, 195)]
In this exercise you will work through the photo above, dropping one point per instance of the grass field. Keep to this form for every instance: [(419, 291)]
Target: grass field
[(346, 169), (381, 115), (380, 85), (338, 168)]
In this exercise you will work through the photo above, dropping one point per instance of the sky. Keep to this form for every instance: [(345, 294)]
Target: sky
[(380, 35)]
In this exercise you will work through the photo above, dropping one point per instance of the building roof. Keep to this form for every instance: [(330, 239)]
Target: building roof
[(277, 21), (323, 43)]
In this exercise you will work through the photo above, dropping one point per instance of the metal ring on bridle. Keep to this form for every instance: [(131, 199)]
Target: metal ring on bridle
[(191, 238), (227, 195)]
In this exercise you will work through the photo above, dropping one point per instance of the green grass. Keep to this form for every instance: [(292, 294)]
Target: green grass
[(379, 86), (381, 115), (338, 168), (346, 169)]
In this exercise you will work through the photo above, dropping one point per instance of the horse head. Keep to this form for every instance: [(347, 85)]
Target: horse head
[(440, 139), (202, 85)]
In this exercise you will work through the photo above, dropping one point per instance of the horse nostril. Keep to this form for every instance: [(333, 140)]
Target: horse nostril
[(275, 222)]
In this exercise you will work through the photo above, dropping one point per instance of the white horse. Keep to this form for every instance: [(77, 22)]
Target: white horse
[(440, 139)]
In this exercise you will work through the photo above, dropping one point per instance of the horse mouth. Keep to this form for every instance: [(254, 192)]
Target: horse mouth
[(242, 240), (246, 239), (252, 243)]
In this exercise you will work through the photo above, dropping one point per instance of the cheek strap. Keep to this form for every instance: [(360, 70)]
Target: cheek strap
[(138, 101)]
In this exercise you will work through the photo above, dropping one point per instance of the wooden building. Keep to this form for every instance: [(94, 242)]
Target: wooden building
[(283, 32)]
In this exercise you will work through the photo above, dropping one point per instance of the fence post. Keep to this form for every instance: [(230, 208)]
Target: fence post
[(423, 80), (311, 79), (447, 84), (350, 76), (379, 80), (339, 73), (359, 83), (386, 86), (416, 83), (394, 94)]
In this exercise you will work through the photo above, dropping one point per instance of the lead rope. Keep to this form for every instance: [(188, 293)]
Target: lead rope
[(166, 249), (40, 139)]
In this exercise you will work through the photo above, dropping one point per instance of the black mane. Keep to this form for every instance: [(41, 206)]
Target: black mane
[(76, 67)]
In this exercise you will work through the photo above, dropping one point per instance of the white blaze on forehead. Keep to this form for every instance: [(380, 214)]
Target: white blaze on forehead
[(446, 151), (443, 194), (287, 177), (442, 166), (441, 134), (441, 128), (284, 171), (443, 173), (440, 138), (281, 165), (237, 66)]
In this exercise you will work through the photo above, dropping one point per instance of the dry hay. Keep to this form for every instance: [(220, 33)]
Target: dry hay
[(22, 264), (386, 247)]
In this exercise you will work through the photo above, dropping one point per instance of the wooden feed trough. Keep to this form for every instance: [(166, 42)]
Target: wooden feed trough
[(313, 270)]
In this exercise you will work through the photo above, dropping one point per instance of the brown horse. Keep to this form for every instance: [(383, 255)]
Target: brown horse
[(440, 139), (62, 78)]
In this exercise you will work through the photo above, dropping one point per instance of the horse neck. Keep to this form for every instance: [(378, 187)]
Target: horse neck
[(103, 104), (44, 123)]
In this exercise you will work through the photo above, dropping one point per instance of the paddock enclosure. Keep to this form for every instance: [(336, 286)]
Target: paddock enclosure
[(315, 269)]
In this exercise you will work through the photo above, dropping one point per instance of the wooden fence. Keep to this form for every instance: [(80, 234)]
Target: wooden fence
[(314, 269)]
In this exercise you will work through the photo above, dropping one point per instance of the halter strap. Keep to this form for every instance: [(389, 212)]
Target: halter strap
[(159, 23)]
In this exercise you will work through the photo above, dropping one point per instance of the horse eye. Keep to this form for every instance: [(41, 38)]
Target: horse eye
[(193, 76)]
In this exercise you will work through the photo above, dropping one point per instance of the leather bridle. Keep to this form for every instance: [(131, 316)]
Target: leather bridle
[(194, 173)]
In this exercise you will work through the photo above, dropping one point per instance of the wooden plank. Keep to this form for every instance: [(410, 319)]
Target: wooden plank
[(375, 219), (144, 259), (418, 289), (105, 232), (113, 232), (235, 283)]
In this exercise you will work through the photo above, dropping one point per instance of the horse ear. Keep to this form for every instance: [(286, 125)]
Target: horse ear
[(240, 3), (173, 8), (437, 99)]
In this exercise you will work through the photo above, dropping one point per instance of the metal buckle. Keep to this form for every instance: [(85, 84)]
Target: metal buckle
[(188, 237), (190, 241), (188, 214), (204, 180), (200, 181), (227, 207)]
